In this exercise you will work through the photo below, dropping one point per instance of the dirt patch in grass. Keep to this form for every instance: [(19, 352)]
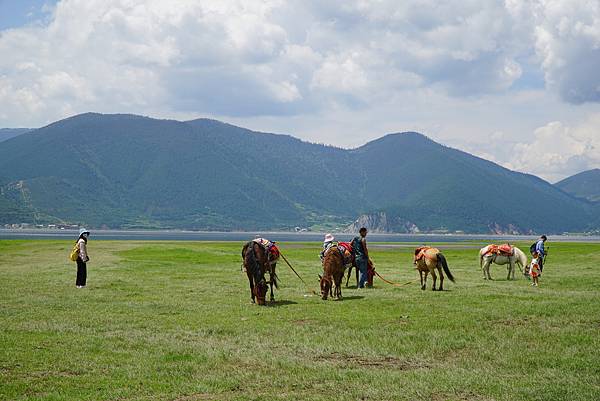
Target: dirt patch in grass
[(525, 321), (198, 396), (462, 396), (386, 362), (303, 322)]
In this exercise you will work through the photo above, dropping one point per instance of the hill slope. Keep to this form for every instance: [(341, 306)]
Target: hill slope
[(7, 133), (584, 185), (132, 171)]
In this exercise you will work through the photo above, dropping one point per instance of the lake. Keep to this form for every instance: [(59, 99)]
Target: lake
[(176, 235)]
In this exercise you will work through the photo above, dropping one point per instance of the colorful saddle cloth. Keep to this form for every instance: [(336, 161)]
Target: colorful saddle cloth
[(271, 248), (504, 249), (345, 249), (421, 252)]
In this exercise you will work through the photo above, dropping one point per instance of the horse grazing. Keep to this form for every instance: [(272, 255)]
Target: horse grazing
[(426, 261), (501, 255), (256, 263), (333, 272)]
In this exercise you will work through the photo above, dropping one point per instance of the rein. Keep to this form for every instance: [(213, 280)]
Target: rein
[(296, 273), (392, 283)]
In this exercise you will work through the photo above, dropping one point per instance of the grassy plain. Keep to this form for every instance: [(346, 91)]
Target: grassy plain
[(173, 321)]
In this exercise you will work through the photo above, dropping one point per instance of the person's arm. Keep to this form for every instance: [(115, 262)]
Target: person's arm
[(540, 248), (83, 251), (364, 244)]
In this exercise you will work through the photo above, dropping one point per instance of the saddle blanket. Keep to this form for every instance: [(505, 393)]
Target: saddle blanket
[(421, 252), (270, 246), (504, 249)]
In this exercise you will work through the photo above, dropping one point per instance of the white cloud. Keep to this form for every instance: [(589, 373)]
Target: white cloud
[(558, 150), (340, 73)]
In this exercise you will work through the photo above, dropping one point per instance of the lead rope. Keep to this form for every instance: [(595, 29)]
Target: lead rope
[(296, 273)]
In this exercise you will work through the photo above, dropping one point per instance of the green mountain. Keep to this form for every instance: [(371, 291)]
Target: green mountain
[(584, 185), (130, 171)]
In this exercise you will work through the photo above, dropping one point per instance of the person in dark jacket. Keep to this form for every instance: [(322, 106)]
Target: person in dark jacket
[(83, 258), (361, 255), (541, 251)]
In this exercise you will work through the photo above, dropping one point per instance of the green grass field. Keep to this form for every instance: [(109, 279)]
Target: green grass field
[(173, 321)]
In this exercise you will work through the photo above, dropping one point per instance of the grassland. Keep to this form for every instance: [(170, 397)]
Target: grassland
[(173, 321)]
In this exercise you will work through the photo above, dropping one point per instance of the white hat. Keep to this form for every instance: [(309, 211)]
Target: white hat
[(329, 237), (83, 231)]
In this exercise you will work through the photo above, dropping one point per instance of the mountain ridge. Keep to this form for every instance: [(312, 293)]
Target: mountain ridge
[(129, 171)]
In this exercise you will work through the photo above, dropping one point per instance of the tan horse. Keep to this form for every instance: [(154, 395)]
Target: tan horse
[(333, 272), (426, 261)]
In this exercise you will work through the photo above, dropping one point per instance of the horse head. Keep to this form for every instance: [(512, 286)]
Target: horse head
[(326, 284), (260, 292)]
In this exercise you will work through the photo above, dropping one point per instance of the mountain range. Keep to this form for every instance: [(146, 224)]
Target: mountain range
[(128, 171)]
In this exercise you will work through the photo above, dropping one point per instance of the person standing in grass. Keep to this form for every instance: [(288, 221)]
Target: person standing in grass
[(83, 258), (361, 255), (541, 251)]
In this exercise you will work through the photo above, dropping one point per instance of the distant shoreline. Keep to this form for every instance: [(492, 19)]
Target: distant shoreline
[(281, 236)]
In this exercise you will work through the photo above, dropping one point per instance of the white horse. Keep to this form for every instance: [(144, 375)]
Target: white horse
[(517, 257)]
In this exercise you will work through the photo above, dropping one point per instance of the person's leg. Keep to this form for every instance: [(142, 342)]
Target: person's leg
[(84, 279), (362, 267), (80, 281)]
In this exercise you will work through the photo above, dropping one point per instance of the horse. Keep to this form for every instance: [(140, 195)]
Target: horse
[(333, 272), (426, 261), (256, 263), (517, 256), (370, 273)]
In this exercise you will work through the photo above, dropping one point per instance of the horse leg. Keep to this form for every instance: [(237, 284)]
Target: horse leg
[(422, 282), (356, 271), (250, 281), (349, 274), (434, 279), (441, 279), (486, 268), (271, 274)]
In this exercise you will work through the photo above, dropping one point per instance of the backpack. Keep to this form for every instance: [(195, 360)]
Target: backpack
[(74, 253), (355, 245), (532, 248)]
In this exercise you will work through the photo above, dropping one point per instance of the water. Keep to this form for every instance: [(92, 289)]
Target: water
[(165, 235)]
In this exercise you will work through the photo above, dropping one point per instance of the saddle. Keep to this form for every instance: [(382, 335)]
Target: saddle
[(345, 249), (421, 252), (270, 247), (504, 250)]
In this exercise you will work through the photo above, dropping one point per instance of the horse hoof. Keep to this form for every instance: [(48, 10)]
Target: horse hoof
[(433, 289), (423, 287)]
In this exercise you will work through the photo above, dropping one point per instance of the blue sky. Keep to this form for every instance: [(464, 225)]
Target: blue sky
[(494, 78), (14, 14)]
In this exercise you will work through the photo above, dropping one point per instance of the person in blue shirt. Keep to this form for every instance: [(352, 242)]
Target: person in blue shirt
[(541, 251)]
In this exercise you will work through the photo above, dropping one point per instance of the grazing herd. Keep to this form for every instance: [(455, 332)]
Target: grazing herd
[(260, 258)]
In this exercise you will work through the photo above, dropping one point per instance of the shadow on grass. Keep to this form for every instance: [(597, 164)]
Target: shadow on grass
[(277, 304), (352, 297)]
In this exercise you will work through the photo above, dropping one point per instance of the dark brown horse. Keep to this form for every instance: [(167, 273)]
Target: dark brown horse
[(257, 263), (333, 272)]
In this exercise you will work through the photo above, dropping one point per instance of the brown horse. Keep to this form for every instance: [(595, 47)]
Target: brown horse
[(333, 272), (257, 263), (426, 261)]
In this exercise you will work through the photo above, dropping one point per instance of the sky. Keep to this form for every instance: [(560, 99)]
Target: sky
[(514, 81)]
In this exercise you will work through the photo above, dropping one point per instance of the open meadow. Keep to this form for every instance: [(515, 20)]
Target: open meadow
[(173, 321)]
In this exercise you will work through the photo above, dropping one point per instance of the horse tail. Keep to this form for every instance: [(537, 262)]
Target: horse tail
[(442, 259)]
